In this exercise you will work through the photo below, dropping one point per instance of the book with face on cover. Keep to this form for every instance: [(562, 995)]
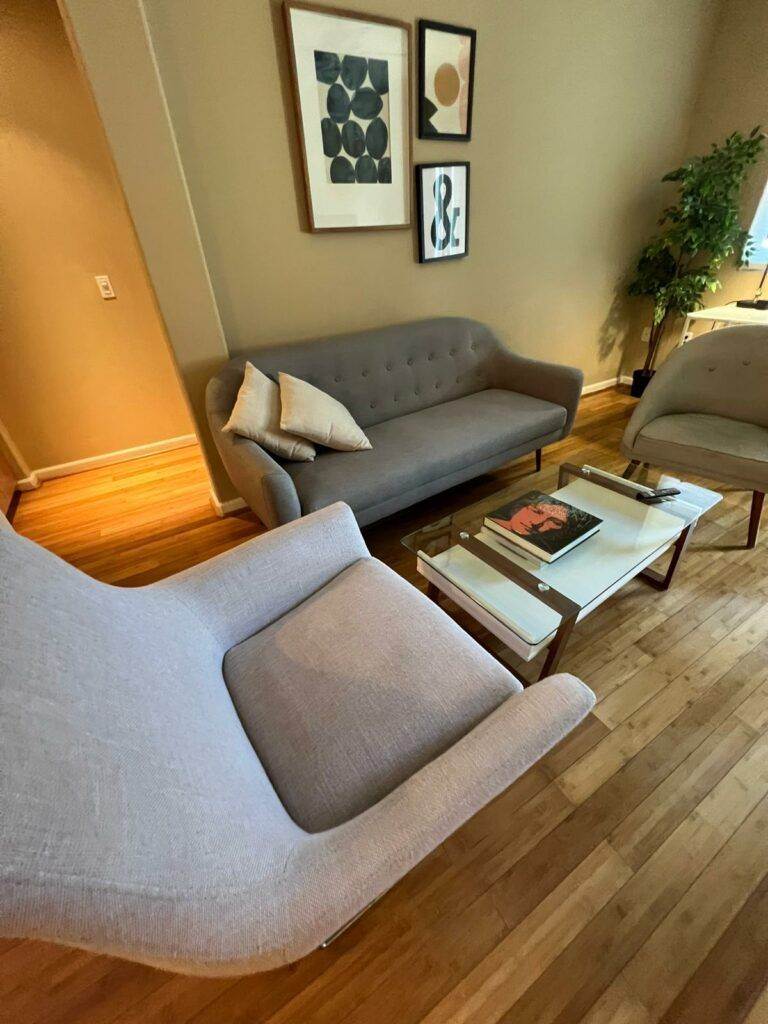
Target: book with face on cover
[(541, 525)]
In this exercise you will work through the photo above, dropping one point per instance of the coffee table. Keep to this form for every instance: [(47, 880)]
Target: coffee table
[(530, 607)]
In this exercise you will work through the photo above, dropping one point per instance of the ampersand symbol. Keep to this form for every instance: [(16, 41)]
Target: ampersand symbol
[(443, 190)]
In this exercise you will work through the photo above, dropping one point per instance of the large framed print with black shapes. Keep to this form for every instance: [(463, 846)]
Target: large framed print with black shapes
[(442, 210), (351, 78), (446, 81)]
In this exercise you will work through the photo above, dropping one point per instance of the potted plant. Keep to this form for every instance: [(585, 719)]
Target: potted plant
[(698, 234)]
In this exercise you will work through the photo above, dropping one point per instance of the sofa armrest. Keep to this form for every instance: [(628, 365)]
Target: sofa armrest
[(267, 488), (239, 592), (261, 480), (551, 382)]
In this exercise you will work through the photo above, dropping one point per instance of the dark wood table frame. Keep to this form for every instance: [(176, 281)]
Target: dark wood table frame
[(569, 610)]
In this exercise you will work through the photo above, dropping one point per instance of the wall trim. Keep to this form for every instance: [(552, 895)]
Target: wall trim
[(37, 476), (226, 508), (603, 385)]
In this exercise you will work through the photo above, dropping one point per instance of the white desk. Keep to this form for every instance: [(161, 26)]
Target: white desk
[(728, 315)]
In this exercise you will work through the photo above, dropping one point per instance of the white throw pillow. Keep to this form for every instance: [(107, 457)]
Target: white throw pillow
[(308, 411), (256, 415)]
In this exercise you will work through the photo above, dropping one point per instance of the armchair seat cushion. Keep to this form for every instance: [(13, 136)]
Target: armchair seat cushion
[(426, 445), (355, 690), (716, 446)]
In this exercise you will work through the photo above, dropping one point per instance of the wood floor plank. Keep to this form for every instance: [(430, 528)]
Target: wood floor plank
[(569, 987), (537, 872), (635, 732), (501, 977), (729, 981), (693, 926)]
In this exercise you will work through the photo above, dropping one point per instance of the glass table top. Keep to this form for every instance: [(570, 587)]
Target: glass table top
[(631, 535)]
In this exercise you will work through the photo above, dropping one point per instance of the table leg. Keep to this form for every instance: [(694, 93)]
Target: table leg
[(662, 581), (557, 647), (433, 592)]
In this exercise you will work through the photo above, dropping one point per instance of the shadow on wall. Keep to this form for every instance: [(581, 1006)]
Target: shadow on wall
[(622, 327)]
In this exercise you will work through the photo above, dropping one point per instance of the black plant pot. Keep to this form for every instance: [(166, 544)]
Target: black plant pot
[(640, 381)]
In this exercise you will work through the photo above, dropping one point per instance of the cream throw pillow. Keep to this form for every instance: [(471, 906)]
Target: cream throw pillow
[(308, 411), (256, 415)]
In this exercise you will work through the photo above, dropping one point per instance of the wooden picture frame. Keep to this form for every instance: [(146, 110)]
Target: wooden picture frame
[(433, 201), (351, 104), (449, 77)]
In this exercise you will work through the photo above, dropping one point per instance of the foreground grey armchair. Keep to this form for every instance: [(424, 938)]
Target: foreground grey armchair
[(441, 400), (214, 773), (706, 411)]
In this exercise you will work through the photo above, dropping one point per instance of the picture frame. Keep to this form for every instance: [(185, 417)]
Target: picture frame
[(446, 81), (351, 77), (442, 210)]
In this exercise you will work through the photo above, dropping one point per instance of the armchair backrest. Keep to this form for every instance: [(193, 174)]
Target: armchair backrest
[(377, 374), (724, 374), (121, 752)]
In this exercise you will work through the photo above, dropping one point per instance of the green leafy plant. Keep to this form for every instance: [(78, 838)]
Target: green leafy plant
[(699, 233)]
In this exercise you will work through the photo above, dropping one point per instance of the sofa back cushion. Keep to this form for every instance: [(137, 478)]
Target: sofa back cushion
[(377, 374)]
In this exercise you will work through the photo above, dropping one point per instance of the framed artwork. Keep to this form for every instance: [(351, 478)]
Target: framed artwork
[(351, 80), (442, 201), (446, 81)]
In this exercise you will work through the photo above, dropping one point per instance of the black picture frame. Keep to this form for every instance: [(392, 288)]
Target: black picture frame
[(423, 119), (419, 174)]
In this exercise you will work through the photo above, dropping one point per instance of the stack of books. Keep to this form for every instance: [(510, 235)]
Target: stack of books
[(541, 527)]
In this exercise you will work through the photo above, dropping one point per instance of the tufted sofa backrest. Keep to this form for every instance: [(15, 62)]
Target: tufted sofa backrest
[(378, 374)]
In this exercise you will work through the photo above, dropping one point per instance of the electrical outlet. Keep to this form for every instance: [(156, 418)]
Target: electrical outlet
[(646, 335), (105, 287)]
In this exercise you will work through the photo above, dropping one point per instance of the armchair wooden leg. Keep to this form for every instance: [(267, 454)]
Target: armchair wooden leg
[(538, 460), (754, 517), (631, 467)]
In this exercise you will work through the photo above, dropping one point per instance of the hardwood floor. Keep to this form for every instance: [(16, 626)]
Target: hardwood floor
[(623, 879)]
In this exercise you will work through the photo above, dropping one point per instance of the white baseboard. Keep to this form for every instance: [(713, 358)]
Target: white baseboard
[(225, 508), (37, 476), (28, 483), (625, 379), (601, 385)]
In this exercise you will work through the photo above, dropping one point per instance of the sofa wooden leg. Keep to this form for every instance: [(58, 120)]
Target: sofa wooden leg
[(754, 517), (538, 460), (631, 467)]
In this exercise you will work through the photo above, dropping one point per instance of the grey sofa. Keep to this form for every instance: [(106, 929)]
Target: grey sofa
[(441, 400), (213, 773), (706, 411)]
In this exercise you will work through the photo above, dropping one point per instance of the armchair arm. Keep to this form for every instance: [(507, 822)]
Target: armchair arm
[(551, 382), (659, 398), (364, 857), (241, 591)]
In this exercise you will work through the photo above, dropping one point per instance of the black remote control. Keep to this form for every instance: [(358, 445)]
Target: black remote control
[(659, 495)]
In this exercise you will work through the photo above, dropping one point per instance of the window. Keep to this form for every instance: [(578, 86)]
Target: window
[(759, 233)]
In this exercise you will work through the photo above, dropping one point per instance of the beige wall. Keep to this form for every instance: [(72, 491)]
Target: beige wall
[(115, 51), (79, 376), (580, 106)]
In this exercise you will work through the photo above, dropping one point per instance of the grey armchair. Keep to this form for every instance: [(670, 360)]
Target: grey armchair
[(214, 773), (706, 411)]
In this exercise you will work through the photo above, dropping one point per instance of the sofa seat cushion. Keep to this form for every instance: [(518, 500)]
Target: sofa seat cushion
[(357, 688), (423, 446), (715, 446)]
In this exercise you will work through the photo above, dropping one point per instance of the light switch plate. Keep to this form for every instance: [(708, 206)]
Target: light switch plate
[(105, 287)]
